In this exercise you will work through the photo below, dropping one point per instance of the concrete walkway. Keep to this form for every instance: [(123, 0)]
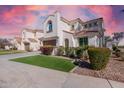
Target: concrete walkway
[(14, 74)]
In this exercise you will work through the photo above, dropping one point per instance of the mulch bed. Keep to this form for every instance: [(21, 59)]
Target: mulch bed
[(113, 71)]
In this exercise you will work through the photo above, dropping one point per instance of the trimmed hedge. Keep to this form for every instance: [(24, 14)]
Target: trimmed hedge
[(98, 57), (47, 50)]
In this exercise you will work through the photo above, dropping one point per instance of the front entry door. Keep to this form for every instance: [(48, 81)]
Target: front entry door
[(27, 46)]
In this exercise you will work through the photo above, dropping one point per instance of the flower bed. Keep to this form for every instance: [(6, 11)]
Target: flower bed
[(47, 50)]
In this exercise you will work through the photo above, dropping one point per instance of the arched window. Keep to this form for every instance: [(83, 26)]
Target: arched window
[(49, 26)]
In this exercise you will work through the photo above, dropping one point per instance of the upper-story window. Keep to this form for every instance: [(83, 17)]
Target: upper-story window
[(95, 24), (72, 27), (85, 26), (79, 27), (24, 34), (49, 26), (90, 25)]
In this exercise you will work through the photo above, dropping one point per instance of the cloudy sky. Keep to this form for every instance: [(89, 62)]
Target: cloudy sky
[(14, 18)]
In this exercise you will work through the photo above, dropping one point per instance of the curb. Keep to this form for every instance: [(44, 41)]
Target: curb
[(73, 69)]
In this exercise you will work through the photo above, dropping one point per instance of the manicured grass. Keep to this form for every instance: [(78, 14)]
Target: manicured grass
[(4, 52), (47, 62)]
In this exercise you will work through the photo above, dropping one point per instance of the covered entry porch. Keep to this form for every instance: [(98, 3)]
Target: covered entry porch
[(88, 38)]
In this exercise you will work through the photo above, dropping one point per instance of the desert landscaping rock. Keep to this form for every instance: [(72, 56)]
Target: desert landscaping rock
[(113, 71)]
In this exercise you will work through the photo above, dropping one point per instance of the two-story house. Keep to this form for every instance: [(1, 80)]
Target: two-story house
[(59, 31)]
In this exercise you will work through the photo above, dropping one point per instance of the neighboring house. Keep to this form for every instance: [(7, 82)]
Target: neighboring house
[(121, 42), (17, 43), (118, 38), (58, 31), (29, 40), (5, 44)]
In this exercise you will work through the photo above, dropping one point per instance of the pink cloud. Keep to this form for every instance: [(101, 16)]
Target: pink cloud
[(70, 12), (13, 17), (34, 8), (19, 11)]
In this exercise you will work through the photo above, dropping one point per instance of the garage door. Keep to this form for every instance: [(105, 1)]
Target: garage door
[(50, 42)]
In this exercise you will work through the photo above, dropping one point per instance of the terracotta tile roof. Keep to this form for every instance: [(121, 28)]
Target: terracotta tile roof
[(33, 30), (77, 20), (72, 21), (32, 40), (86, 33), (65, 20), (94, 20), (49, 38), (71, 32), (18, 39)]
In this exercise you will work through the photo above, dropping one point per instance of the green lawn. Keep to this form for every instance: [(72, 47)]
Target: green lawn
[(47, 62), (4, 52)]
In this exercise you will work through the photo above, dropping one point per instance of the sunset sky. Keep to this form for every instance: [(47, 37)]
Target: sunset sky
[(14, 18)]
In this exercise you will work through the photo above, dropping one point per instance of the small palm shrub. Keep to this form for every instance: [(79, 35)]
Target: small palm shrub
[(98, 57), (47, 50), (67, 51), (60, 51), (71, 52), (79, 52), (85, 55), (116, 51)]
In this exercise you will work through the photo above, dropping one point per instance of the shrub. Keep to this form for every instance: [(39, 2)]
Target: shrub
[(60, 51), (85, 55), (114, 48), (67, 51), (122, 56), (117, 52), (79, 52), (47, 50), (98, 57), (71, 52)]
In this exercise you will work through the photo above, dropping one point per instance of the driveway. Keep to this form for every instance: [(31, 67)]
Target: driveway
[(17, 55), (14, 74)]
